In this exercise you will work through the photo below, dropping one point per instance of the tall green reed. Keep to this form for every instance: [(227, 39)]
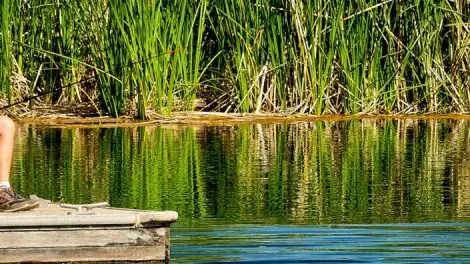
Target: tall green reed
[(248, 68), (5, 49), (48, 45), (139, 33)]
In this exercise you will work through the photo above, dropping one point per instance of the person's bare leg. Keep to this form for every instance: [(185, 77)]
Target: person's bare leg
[(9, 200), (7, 137)]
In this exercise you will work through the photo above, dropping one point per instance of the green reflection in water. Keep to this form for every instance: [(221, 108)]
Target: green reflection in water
[(363, 171)]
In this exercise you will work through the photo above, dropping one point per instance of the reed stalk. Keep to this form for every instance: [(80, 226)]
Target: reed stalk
[(5, 50)]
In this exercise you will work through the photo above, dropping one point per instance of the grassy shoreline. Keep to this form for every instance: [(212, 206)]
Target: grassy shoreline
[(218, 118)]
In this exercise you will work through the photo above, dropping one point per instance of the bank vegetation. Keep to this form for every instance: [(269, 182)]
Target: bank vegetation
[(137, 57)]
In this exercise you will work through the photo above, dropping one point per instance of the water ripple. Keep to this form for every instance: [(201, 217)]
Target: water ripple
[(388, 243)]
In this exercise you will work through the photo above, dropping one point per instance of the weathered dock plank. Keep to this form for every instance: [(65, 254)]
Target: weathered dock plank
[(83, 254), (82, 238), (53, 234)]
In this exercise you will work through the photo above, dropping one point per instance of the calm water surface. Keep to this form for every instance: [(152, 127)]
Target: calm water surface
[(348, 192)]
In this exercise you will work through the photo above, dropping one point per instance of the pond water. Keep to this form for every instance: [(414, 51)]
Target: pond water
[(352, 191)]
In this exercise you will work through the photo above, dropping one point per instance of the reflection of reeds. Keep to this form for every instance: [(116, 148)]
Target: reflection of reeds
[(460, 173), (362, 170), (463, 199)]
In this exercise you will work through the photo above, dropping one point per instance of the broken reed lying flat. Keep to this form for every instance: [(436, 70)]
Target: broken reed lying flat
[(326, 56)]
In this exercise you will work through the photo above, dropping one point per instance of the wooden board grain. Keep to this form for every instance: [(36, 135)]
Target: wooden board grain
[(82, 238), (83, 254), (55, 216)]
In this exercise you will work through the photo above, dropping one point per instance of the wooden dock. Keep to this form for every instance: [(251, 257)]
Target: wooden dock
[(55, 234)]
